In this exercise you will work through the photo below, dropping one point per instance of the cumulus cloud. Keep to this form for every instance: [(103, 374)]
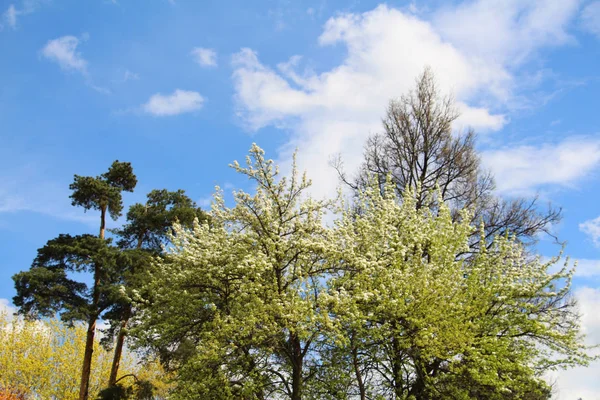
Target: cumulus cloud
[(590, 18), (179, 102), (522, 169), (592, 229), (334, 111), (205, 57), (507, 31), (63, 51)]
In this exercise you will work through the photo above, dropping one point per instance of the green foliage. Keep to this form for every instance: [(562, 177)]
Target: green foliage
[(247, 290), (140, 390), (49, 287), (429, 323), (148, 224), (142, 237), (268, 301), (104, 192)]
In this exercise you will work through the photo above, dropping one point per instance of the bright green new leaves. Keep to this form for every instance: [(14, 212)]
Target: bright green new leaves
[(427, 323), (246, 290), (269, 302)]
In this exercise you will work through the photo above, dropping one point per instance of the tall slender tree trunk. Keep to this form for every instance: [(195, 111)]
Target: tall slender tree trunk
[(86, 368), (119, 349), (114, 369), (297, 361)]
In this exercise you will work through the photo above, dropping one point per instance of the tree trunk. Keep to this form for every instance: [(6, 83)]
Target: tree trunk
[(357, 373), (118, 350), (86, 369), (102, 221), (397, 369), (297, 361), (418, 387), (114, 369)]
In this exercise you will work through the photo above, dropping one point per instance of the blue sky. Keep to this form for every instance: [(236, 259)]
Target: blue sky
[(182, 88)]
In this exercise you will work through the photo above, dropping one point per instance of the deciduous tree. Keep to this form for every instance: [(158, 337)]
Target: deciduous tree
[(420, 150), (36, 361), (244, 291), (422, 322)]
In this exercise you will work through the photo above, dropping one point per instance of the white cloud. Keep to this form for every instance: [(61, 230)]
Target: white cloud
[(590, 18), (522, 169), (583, 382), (592, 229), (336, 110), (507, 31), (179, 102), (205, 57), (63, 51), (10, 16), (587, 268)]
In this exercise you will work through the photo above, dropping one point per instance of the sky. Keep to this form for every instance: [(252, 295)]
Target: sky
[(182, 88)]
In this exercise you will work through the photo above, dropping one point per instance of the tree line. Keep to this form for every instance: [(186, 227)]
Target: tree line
[(424, 286)]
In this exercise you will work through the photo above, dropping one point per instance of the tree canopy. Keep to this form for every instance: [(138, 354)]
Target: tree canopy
[(269, 301)]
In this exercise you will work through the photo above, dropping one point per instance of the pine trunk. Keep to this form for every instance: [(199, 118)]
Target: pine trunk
[(114, 369), (86, 369), (118, 351), (102, 221)]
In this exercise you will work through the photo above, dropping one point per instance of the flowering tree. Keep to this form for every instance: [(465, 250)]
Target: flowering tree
[(423, 323), (268, 301), (246, 291)]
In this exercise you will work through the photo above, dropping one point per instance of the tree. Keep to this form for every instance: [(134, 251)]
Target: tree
[(426, 323), (244, 292), (47, 288), (146, 231), (103, 192), (419, 151), (268, 301), (36, 361)]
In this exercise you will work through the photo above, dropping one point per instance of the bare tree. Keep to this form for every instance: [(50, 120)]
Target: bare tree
[(418, 150)]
